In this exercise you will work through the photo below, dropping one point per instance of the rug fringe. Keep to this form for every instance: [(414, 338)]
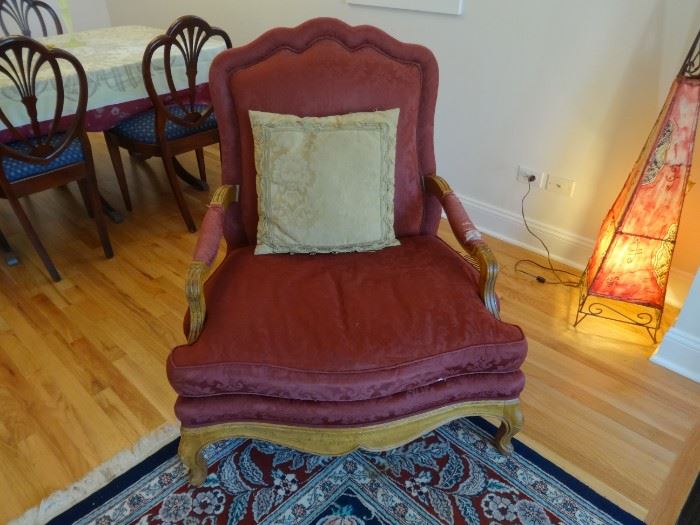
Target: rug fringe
[(62, 500)]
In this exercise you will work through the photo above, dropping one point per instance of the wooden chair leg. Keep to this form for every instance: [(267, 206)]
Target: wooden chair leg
[(34, 238), (118, 166), (200, 164), (4, 245), (177, 191), (96, 202), (511, 423), (86, 199), (10, 257), (190, 452)]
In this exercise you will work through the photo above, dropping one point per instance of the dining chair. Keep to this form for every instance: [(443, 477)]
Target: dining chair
[(326, 353), (179, 122), (47, 154), (20, 11)]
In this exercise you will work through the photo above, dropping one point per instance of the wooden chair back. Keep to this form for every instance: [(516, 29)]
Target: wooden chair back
[(186, 36), (21, 60), (21, 11)]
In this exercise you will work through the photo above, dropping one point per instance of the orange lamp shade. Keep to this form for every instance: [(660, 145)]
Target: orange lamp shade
[(631, 259)]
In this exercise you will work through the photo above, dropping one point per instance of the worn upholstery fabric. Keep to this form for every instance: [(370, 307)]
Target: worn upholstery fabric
[(196, 411), (210, 235), (325, 184), (17, 170), (325, 67), (142, 127), (343, 327)]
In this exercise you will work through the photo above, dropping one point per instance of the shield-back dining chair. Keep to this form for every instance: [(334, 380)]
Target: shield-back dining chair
[(48, 154), (21, 13), (178, 123), (326, 353)]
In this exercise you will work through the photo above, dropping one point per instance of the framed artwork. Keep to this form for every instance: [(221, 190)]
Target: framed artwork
[(448, 7)]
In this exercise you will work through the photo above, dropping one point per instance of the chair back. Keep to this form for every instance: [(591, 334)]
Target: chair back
[(21, 11), (187, 35), (326, 67), (30, 66)]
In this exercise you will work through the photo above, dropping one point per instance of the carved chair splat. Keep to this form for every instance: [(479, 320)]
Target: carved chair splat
[(49, 154), (21, 11), (179, 123)]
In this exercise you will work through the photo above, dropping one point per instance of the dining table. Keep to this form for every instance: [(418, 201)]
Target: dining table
[(112, 60)]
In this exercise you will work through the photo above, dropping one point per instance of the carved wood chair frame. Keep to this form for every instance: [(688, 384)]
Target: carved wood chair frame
[(20, 10), (188, 35), (331, 441), (21, 58), (225, 206)]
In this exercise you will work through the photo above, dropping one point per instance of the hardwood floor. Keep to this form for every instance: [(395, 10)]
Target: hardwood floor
[(82, 362)]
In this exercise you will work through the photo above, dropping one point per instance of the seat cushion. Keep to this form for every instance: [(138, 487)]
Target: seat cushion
[(343, 327), (142, 127), (199, 411), (17, 170)]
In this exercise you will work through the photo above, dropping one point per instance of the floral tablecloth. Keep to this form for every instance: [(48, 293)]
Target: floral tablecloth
[(112, 59)]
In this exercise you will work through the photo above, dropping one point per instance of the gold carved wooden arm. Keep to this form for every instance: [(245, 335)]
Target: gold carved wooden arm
[(210, 235), (469, 238)]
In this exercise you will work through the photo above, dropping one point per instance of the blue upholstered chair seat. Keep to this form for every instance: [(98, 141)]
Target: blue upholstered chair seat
[(17, 170), (141, 127)]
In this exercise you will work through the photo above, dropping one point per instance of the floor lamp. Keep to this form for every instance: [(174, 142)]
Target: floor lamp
[(632, 254)]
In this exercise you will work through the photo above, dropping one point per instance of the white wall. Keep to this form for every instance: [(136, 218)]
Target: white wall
[(570, 88), (85, 14), (680, 349)]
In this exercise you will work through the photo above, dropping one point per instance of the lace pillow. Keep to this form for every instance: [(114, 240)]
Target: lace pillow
[(325, 184)]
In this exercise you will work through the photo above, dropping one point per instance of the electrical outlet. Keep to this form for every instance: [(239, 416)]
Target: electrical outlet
[(561, 186), (524, 174)]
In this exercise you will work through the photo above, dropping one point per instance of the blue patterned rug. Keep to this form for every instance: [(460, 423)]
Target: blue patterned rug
[(452, 475)]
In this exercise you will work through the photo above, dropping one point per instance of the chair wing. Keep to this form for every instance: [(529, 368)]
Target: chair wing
[(326, 67)]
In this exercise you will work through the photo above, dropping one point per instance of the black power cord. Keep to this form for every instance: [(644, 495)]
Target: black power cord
[(550, 267)]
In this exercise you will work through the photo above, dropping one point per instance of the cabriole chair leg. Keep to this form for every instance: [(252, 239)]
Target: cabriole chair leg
[(190, 452), (511, 423)]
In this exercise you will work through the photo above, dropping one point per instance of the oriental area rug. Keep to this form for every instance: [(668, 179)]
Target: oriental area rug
[(452, 475)]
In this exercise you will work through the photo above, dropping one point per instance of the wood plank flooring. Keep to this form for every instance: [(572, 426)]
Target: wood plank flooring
[(82, 361)]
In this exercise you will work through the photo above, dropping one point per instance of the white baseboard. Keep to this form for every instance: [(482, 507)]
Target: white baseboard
[(565, 247), (680, 352)]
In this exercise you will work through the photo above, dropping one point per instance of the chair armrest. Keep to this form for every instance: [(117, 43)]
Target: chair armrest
[(469, 238), (210, 235)]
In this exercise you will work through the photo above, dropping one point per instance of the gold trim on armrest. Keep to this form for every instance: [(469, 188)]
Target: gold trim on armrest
[(198, 270), (478, 250), (488, 272), (225, 195), (194, 290), (436, 185)]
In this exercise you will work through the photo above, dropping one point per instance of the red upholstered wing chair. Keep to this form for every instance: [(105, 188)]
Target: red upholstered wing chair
[(328, 353)]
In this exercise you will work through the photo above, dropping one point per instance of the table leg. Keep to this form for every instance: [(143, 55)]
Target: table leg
[(186, 176)]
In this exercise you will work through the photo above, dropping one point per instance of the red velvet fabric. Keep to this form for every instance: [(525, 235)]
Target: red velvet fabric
[(210, 235), (460, 222), (343, 327), (193, 412), (326, 67), (347, 339)]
